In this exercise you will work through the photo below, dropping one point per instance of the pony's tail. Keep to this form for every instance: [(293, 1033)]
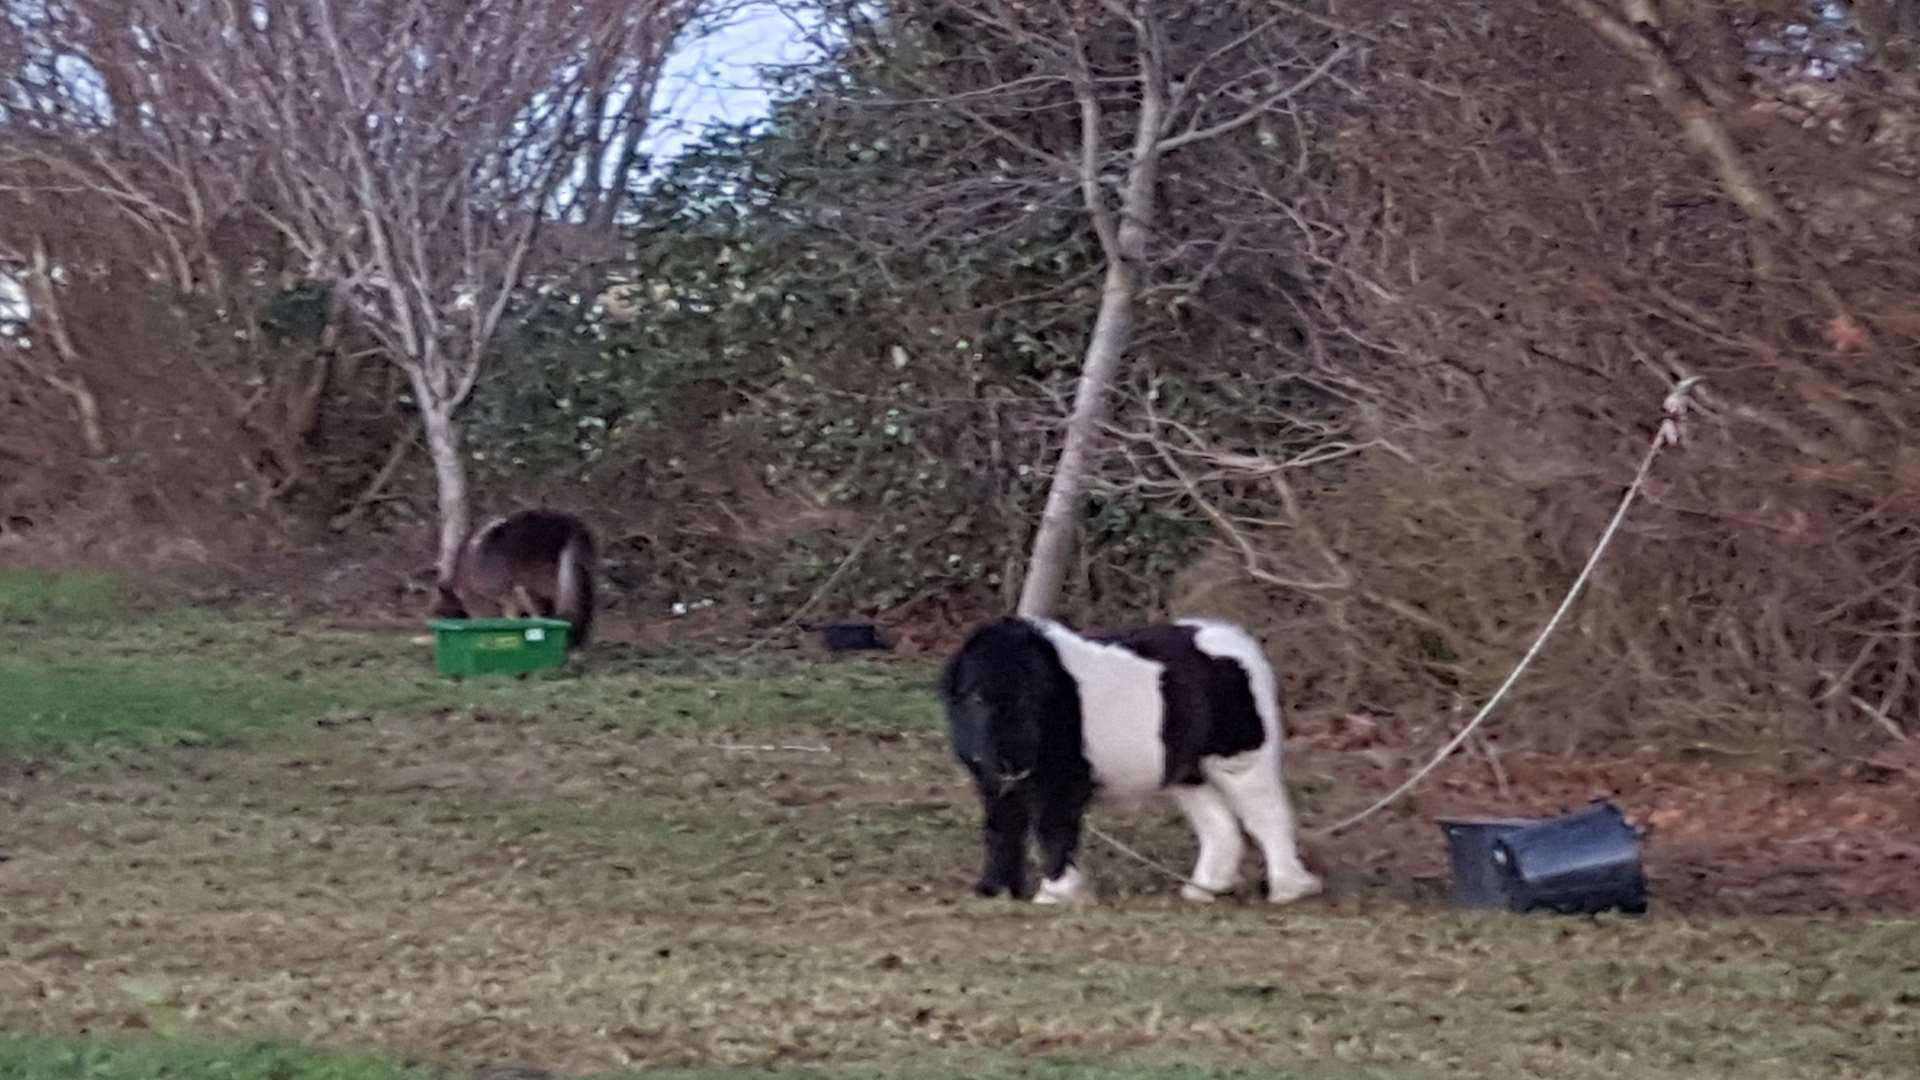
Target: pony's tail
[(573, 599)]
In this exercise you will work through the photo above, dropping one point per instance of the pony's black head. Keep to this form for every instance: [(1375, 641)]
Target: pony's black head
[(997, 690)]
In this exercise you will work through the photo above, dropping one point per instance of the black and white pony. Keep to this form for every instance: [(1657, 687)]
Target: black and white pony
[(1047, 720)]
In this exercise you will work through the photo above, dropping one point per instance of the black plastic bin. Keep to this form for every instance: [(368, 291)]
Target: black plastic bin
[(1476, 876), (852, 637), (1583, 862)]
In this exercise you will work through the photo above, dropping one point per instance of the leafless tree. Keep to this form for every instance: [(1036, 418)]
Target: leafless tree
[(52, 363), (407, 152), (1092, 98), (160, 202)]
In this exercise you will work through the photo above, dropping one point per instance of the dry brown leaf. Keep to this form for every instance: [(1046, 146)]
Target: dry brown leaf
[(1845, 335)]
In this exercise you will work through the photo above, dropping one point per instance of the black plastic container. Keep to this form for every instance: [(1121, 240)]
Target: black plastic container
[(852, 637), (1583, 862), (1476, 876)]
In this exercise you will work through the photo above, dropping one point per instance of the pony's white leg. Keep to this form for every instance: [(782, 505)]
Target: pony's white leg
[(1070, 887), (1253, 785), (1221, 846)]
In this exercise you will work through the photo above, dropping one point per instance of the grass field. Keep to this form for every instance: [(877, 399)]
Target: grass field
[(242, 849)]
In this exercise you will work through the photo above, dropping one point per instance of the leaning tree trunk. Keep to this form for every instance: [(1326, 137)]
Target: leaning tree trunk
[(449, 475), (1125, 245), (43, 301), (1053, 544)]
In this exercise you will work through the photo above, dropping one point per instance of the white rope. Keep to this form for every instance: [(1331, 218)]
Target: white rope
[(1675, 407)]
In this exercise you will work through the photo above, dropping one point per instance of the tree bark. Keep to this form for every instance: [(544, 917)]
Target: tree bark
[(1125, 245), (43, 299), (1053, 544), (86, 408), (450, 479), (1688, 103)]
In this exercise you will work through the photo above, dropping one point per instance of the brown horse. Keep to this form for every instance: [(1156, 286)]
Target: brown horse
[(533, 563)]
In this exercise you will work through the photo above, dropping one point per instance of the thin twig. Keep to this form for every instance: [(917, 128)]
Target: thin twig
[(1878, 715), (376, 490), (1488, 751), (797, 748)]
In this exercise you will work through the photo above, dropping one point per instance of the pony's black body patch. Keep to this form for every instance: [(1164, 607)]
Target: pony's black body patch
[(1209, 709)]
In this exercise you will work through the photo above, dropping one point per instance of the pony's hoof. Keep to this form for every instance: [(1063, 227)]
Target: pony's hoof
[(1199, 891), (1069, 888), (1290, 889), (988, 888)]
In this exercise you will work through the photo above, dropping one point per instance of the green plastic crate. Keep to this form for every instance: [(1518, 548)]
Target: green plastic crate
[(498, 646)]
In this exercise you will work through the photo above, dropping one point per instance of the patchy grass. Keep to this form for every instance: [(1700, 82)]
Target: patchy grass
[(207, 678), (67, 701), (147, 1059), (33, 595), (650, 862)]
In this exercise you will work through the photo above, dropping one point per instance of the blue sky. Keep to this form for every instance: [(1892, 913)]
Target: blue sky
[(712, 78)]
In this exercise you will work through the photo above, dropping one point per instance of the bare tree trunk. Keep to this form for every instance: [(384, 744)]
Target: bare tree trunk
[(44, 298), (450, 480), (1207, 96), (86, 408), (1053, 544), (1684, 98), (1125, 245)]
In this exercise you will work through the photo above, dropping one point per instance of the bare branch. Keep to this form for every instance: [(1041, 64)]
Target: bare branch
[(1254, 112)]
